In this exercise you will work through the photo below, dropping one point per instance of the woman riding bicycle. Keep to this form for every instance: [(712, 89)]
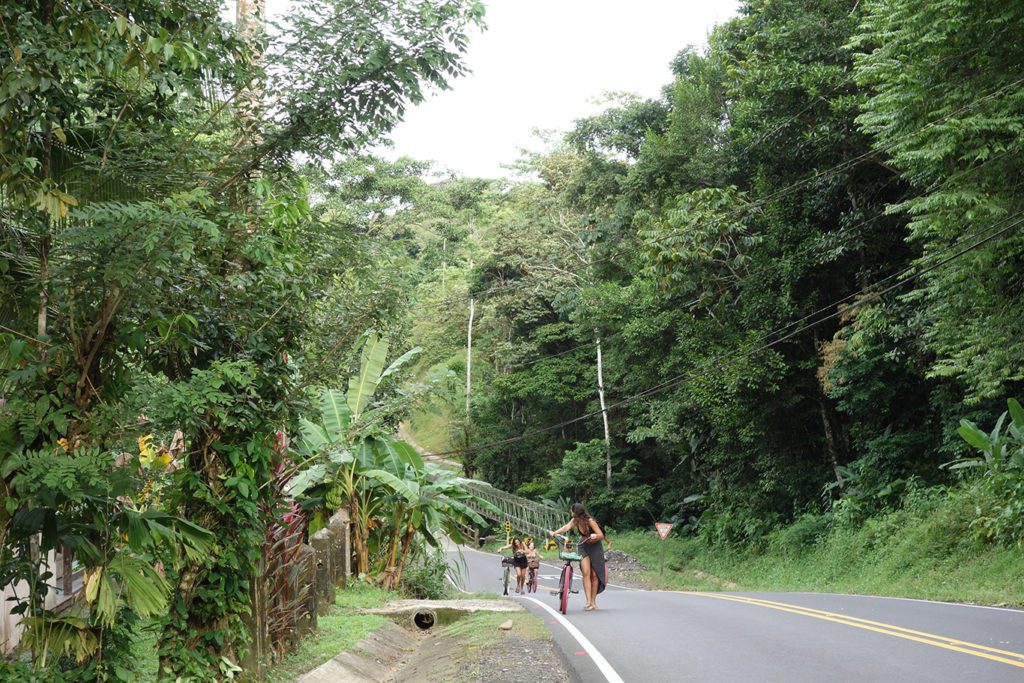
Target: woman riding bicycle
[(592, 564), (518, 561)]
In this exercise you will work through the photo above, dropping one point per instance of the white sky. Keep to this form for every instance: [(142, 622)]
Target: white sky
[(539, 64)]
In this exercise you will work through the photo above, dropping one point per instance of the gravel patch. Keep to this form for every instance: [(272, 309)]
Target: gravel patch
[(626, 570), (507, 656)]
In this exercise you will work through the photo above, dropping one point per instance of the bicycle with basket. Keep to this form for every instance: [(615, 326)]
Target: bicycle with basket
[(507, 562), (570, 551)]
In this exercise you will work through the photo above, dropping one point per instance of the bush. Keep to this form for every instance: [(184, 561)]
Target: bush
[(23, 673), (1000, 508), (735, 527), (1000, 488), (802, 535), (423, 578)]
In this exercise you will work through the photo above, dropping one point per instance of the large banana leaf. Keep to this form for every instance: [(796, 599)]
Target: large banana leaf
[(312, 437), (365, 454), (407, 489), (400, 361), (394, 455), (363, 385), (308, 477), (336, 413)]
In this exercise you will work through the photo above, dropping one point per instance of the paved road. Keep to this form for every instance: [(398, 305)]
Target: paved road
[(651, 636)]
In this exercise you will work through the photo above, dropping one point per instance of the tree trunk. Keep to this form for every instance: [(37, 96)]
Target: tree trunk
[(44, 296), (388, 578), (359, 539), (833, 437), (249, 17), (469, 355), (604, 417), (404, 555)]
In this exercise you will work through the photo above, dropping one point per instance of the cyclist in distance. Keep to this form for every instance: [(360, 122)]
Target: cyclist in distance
[(533, 557), (592, 564), (518, 561)]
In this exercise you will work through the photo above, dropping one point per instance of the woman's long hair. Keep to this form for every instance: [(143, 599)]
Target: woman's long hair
[(579, 512)]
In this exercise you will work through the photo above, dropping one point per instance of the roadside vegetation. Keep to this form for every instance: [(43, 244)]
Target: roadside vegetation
[(796, 277), (202, 336), (922, 550), (778, 305), (338, 630)]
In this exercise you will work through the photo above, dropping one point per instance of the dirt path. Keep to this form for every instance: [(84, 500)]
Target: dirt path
[(404, 435)]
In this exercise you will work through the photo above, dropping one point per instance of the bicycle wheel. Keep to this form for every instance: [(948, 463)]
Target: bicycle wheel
[(505, 579), (565, 586)]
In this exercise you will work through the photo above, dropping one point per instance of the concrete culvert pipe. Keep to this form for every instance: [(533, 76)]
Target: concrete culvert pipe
[(424, 619)]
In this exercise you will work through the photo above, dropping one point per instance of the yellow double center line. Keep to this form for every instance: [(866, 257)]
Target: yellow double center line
[(995, 654)]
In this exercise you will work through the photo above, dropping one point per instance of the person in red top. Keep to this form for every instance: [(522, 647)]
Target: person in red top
[(592, 563)]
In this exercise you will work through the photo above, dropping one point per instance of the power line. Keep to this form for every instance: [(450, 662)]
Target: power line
[(778, 194), (880, 214), (737, 353)]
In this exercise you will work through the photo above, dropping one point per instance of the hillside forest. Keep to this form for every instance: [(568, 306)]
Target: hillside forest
[(784, 294)]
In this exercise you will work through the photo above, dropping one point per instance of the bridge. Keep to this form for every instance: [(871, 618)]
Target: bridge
[(526, 516)]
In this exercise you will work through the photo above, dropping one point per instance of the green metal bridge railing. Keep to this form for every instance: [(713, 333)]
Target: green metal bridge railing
[(526, 516)]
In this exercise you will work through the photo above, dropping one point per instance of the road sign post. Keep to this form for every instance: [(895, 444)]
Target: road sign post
[(663, 529)]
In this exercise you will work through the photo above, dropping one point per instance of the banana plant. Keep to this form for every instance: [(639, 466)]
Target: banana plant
[(378, 476), (1001, 449), (345, 443), (430, 502)]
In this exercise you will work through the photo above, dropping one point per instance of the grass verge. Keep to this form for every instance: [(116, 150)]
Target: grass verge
[(480, 630), (338, 630), (926, 549)]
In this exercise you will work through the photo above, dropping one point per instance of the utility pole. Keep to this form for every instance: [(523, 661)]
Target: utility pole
[(604, 417), (469, 355)]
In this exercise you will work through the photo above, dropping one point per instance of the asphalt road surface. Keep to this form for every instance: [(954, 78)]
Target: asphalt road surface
[(650, 636)]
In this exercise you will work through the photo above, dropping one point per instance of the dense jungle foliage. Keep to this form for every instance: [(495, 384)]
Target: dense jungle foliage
[(177, 291), (802, 264)]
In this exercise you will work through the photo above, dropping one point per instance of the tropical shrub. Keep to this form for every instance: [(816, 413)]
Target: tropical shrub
[(1000, 485)]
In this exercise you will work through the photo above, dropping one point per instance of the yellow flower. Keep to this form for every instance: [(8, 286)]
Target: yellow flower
[(146, 450)]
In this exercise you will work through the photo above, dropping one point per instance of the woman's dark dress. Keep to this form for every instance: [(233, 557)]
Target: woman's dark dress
[(519, 559), (595, 551)]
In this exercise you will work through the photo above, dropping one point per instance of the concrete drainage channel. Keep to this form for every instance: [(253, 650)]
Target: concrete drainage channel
[(381, 655)]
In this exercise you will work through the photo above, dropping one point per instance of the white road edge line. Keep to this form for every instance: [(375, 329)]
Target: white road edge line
[(606, 669), (602, 664)]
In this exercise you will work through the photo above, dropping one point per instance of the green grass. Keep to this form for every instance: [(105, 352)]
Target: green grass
[(430, 426), (338, 630), (924, 550), (481, 630), (431, 429)]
